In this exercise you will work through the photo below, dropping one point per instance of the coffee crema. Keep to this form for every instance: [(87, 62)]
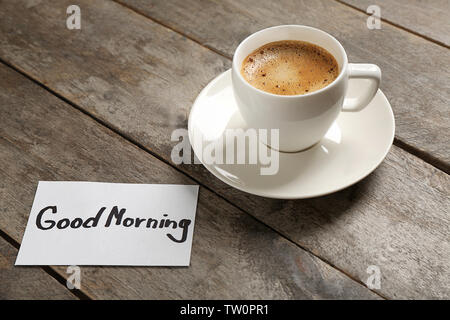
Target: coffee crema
[(290, 67)]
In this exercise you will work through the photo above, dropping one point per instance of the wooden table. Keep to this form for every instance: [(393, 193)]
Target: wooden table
[(100, 103)]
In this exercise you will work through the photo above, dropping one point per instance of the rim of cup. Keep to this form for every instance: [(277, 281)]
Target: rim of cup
[(238, 64)]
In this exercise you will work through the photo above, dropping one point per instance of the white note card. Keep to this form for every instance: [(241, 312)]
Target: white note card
[(94, 223)]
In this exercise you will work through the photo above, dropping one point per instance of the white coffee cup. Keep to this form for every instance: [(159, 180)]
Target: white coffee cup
[(302, 120)]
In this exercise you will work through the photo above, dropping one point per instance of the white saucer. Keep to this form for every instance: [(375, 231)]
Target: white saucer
[(354, 146)]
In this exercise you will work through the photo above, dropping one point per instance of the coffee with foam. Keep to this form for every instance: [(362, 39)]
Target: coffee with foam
[(290, 67)]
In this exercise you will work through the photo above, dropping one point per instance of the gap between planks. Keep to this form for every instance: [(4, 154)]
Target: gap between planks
[(47, 269), (138, 145), (397, 26), (423, 155)]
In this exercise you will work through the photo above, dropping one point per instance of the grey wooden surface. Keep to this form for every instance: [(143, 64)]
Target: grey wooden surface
[(137, 69), (26, 282), (426, 18), (233, 255), (408, 62)]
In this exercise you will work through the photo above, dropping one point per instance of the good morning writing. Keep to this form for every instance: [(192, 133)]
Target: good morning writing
[(115, 217)]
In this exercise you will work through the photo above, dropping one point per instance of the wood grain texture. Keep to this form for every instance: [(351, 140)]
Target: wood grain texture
[(26, 282), (427, 18), (141, 79), (414, 77), (233, 255)]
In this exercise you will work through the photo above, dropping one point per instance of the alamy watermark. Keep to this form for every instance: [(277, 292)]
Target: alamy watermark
[(374, 280), (374, 271), (73, 21), (234, 146), (74, 279), (374, 21)]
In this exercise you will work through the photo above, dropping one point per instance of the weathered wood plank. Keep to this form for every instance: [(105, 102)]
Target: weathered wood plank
[(414, 77), (427, 18), (233, 255), (141, 79), (26, 282)]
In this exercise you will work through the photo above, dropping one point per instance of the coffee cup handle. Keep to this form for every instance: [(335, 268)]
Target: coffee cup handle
[(362, 71)]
